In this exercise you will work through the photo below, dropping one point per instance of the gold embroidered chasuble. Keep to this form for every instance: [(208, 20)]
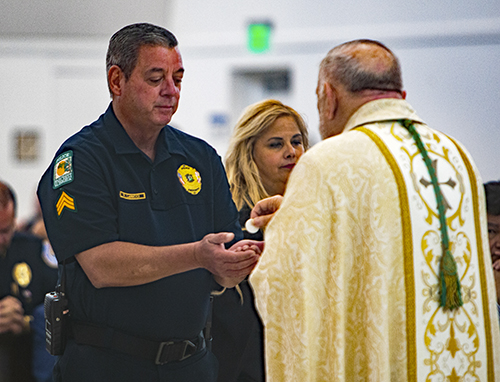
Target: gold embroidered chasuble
[(347, 286)]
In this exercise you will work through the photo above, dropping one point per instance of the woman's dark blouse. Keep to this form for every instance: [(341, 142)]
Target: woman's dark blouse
[(237, 330)]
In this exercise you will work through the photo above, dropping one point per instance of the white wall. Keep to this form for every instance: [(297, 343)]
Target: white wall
[(76, 18), (449, 53), (54, 88)]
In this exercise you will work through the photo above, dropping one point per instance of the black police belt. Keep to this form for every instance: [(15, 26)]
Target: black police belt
[(157, 351)]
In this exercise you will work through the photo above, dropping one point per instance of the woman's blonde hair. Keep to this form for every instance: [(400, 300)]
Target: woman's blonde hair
[(242, 172)]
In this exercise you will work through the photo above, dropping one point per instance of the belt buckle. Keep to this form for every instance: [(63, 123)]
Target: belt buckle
[(186, 344), (159, 354), (161, 360)]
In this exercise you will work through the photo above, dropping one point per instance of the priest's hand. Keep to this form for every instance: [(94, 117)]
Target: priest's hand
[(264, 210)]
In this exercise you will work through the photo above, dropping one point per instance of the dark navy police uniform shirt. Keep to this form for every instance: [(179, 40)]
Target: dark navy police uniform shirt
[(101, 188)]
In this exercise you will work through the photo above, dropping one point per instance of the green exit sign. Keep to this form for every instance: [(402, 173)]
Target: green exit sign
[(259, 35)]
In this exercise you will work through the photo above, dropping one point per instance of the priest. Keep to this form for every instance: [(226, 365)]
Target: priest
[(377, 265)]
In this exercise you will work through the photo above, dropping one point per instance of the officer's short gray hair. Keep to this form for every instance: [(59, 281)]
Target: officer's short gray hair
[(124, 45)]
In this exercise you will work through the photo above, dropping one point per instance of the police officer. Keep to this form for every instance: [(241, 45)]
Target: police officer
[(27, 272), (146, 212)]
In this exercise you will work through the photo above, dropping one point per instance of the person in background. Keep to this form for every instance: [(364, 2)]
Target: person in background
[(27, 273), (376, 265), (43, 361), (267, 141), (492, 191), (138, 214)]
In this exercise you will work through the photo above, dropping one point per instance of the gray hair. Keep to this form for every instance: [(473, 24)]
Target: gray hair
[(124, 45), (357, 72)]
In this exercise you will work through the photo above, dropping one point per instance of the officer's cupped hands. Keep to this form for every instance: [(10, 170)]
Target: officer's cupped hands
[(232, 264)]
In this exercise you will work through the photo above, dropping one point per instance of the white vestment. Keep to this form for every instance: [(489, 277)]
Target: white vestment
[(347, 286)]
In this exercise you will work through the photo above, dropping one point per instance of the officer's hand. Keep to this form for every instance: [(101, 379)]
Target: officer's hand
[(11, 315), (264, 210), (244, 245), (496, 263), (496, 273), (236, 262)]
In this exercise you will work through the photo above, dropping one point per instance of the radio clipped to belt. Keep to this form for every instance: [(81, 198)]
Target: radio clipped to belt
[(56, 317)]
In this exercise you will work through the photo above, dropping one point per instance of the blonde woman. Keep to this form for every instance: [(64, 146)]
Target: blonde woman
[(267, 142)]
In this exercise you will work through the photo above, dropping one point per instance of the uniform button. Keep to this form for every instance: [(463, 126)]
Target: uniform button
[(156, 192)]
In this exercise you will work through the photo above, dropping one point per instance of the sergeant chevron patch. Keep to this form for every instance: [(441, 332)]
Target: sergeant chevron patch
[(65, 201)]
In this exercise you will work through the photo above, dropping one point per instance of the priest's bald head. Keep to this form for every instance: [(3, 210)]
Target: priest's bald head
[(351, 75)]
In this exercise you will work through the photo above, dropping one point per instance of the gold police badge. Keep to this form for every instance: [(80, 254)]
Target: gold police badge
[(190, 179), (22, 274)]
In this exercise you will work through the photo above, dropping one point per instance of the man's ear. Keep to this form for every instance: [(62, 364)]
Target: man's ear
[(115, 77), (331, 100)]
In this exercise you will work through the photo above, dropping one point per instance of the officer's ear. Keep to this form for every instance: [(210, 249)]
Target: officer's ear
[(116, 78)]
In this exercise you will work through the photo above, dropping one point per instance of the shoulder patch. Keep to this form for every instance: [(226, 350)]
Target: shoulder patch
[(63, 169), (48, 255), (190, 179)]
